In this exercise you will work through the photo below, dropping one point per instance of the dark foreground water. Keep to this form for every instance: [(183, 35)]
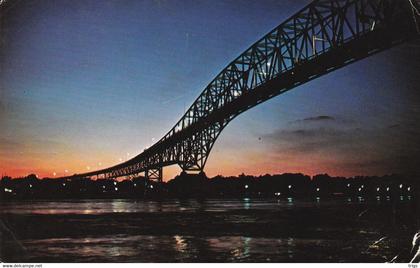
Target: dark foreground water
[(239, 230)]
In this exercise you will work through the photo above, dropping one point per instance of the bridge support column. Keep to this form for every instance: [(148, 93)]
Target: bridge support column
[(155, 174)]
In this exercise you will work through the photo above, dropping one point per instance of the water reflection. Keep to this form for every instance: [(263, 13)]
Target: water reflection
[(247, 203), (120, 206), (238, 247), (226, 230), (290, 245), (242, 249), (180, 243)]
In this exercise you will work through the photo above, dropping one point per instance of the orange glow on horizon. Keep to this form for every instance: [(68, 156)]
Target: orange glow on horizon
[(225, 163)]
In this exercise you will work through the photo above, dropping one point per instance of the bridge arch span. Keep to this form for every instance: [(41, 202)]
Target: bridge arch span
[(323, 36)]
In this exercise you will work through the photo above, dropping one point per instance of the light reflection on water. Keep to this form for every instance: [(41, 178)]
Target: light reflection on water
[(247, 203), (251, 230), (147, 248), (130, 206), (181, 244)]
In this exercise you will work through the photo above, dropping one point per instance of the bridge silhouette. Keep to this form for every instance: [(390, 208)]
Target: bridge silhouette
[(322, 37)]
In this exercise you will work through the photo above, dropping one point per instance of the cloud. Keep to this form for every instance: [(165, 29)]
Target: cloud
[(314, 119), (351, 150), (308, 139), (318, 118), (324, 119), (394, 126)]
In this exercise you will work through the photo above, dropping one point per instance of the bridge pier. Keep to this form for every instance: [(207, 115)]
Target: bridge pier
[(155, 174), (193, 173)]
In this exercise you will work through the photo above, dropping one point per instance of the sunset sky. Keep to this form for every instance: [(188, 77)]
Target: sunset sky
[(88, 84)]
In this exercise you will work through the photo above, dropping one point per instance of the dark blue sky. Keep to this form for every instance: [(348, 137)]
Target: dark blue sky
[(86, 84)]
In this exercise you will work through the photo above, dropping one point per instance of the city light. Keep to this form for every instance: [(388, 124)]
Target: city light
[(387, 189), (8, 190), (246, 186), (277, 194), (377, 189), (360, 189), (30, 185), (348, 185), (64, 184), (408, 188), (151, 186), (115, 183), (317, 189), (401, 186), (116, 189), (135, 185), (290, 186)]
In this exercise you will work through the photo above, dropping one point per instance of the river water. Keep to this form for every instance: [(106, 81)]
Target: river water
[(217, 230)]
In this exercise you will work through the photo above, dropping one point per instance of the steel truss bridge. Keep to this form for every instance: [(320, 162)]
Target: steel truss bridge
[(322, 37)]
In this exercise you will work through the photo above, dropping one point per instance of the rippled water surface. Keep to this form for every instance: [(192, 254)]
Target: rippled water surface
[(237, 230)]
